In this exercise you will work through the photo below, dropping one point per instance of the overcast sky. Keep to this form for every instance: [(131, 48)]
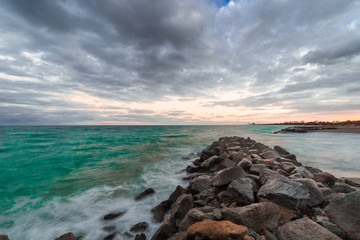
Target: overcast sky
[(178, 62)]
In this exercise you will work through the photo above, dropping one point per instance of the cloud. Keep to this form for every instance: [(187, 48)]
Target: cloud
[(238, 54)]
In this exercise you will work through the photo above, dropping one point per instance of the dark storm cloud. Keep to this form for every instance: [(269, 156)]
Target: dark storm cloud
[(141, 51)]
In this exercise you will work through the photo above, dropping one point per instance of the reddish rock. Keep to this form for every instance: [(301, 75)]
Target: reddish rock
[(216, 230)]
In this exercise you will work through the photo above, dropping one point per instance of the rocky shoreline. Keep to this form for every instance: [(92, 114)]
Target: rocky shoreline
[(242, 189), (321, 128)]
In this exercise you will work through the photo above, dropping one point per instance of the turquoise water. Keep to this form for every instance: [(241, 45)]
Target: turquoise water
[(56, 179)]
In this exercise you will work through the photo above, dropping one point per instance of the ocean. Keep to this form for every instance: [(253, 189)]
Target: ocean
[(58, 179)]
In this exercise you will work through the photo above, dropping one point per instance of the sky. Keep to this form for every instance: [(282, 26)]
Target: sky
[(122, 62)]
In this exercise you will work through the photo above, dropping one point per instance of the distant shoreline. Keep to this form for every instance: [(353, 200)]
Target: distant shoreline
[(321, 128)]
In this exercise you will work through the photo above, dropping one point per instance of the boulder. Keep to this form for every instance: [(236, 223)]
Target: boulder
[(193, 216), (177, 192), (303, 171), (192, 168), (114, 215), (280, 150), (287, 166), (144, 193), (342, 188), (304, 229), (256, 216), (4, 237), (139, 227), (245, 163), (270, 155), (110, 237), (166, 230), (243, 190), (66, 236), (333, 228), (226, 197), (238, 157), (200, 183), (208, 163), (216, 230), (325, 177), (140, 237), (227, 175), (257, 168), (325, 192), (180, 208), (285, 192), (266, 174), (345, 212), (160, 210), (316, 197)]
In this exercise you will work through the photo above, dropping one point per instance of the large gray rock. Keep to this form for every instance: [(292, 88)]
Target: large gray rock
[(208, 163), (177, 192), (345, 212), (200, 183), (342, 188), (267, 174), (335, 229), (257, 168), (316, 196), (325, 177), (243, 190), (285, 192), (304, 229), (227, 175), (180, 208), (256, 216), (166, 230), (245, 163), (179, 236)]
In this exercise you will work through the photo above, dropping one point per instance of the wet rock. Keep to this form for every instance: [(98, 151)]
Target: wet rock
[(166, 230), (144, 193), (193, 216), (342, 188), (179, 236), (114, 215), (139, 227), (180, 208), (325, 177), (287, 166), (200, 183), (316, 197), (140, 237), (245, 163), (303, 171), (285, 192), (345, 212), (110, 237), (280, 150), (227, 175), (215, 230), (177, 192), (4, 237), (192, 168), (66, 236), (304, 229), (160, 210), (243, 190), (256, 216)]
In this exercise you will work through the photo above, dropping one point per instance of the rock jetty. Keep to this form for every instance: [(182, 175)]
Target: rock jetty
[(304, 129), (242, 189)]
